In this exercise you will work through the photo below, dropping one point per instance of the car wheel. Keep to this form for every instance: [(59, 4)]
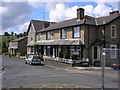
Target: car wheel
[(25, 62), (30, 63)]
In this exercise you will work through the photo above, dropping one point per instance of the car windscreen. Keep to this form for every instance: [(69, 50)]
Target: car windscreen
[(30, 57), (36, 57)]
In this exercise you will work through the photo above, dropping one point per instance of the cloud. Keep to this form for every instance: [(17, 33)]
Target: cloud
[(14, 13), (23, 27), (102, 9), (89, 9), (62, 12), (58, 13), (36, 3)]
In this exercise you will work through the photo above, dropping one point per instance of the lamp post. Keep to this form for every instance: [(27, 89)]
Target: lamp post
[(104, 33)]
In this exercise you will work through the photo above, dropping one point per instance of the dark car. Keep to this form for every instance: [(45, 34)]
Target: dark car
[(115, 66)]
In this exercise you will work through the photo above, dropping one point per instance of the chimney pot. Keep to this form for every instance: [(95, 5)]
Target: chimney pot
[(80, 13), (114, 12)]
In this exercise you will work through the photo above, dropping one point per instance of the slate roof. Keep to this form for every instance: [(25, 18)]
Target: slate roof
[(18, 39), (87, 20), (107, 19), (73, 22), (38, 25)]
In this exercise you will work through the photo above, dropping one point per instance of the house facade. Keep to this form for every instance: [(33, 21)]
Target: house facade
[(84, 36), (18, 46)]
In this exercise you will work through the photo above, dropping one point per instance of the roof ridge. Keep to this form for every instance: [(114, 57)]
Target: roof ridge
[(39, 21), (107, 16), (65, 20)]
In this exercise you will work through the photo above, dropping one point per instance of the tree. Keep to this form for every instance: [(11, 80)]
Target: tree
[(15, 34), (6, 34), (25, 34), (4, 48), (12, 33), (20, 35)]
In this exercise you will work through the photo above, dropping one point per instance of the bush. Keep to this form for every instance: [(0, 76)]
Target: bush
[(74, 57), (66, 55), (61, 54)]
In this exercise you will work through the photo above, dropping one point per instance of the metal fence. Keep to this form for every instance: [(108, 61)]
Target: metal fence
[(110, 59)]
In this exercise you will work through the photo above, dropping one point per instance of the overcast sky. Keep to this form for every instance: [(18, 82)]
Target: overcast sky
[(15, 16)]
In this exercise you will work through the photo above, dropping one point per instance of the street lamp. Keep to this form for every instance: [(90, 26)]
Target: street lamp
[(104, 33)]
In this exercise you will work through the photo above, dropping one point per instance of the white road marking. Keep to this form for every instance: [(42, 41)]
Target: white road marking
[(2, 73)]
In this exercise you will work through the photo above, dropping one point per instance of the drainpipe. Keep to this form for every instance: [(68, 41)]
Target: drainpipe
[(104, 33), (88, 41)]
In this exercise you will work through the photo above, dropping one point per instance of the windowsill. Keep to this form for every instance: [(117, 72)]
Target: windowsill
[(113, 57), (113, 37), (63, 38), (76, 37)]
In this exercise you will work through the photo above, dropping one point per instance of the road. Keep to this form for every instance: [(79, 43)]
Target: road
[(17, 73)]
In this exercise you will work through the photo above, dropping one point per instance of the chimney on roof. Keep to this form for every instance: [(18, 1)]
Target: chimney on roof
[(114, 12), (80, 13)]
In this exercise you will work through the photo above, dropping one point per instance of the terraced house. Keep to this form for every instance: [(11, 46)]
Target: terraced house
[(83, 35), (18, 46)]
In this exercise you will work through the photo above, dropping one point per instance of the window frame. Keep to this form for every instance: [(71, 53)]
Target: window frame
[(48, 33), (112, 31), (77, 32), (115, 51), (39, 36), (63, 36), (31, 37)]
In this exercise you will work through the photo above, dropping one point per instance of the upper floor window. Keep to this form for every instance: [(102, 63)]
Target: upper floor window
[(76, 32), (48, 35), (113, 31), (31, 38), (39, 36), (113, 52), (63, 33)]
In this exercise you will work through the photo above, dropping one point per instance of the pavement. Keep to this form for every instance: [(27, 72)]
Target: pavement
[(109, 72), (52, 85)]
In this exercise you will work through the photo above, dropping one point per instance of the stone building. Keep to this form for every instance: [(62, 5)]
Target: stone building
[(18, 46), (84, 35)]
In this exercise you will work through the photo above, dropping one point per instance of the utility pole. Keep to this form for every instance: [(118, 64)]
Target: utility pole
[(104, 33), (43, 16)]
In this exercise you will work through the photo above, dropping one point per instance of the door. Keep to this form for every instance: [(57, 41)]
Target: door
[(95, 53)]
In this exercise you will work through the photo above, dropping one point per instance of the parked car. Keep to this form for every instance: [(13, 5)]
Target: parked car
[(115, 66), (33, 59)]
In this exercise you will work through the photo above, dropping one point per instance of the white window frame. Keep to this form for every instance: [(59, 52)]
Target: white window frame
[(63, 33), (76, 32), (31, 37), (39, 36), (114, 31), (113, 51), (48, 35)]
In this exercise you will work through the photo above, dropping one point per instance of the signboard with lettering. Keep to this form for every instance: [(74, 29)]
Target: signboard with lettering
[(75, 53)]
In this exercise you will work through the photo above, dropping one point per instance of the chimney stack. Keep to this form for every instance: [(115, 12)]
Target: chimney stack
[(114, 12), (80, 13)]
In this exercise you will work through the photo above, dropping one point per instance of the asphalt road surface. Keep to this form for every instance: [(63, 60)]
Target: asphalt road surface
[(17, 74)]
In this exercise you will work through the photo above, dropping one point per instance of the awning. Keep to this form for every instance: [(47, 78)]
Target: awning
[(31, 44), (60, 42), (12, 47)]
